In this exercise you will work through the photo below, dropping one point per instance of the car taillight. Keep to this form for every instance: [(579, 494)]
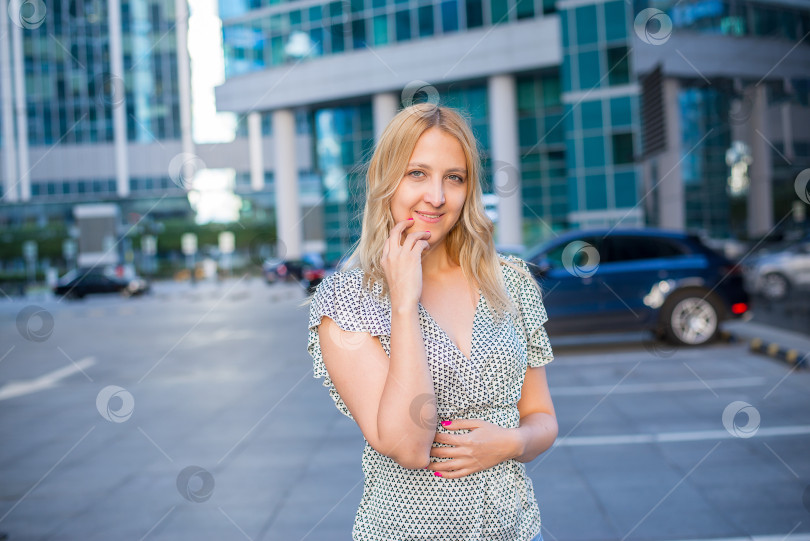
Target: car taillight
[(739, 308), (313, 274), (282, 270)]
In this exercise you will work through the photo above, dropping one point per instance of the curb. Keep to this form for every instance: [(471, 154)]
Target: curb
[(793, 357), (727, 337)]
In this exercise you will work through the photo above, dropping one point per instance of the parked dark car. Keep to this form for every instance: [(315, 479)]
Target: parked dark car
[(637, 279), (80, 282), (307, 271)]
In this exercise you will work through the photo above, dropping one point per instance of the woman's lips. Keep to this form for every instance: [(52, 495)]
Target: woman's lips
[(428, 219)]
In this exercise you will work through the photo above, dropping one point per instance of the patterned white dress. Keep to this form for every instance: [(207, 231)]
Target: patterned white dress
[(496, 504)]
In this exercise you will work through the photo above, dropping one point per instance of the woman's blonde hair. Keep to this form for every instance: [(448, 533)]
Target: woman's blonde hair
[(469, 243)]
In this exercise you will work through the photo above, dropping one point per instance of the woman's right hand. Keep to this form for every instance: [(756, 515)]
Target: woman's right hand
[(402, 263)]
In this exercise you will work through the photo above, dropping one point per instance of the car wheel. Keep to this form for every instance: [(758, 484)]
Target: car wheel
[(691, 318), (775, 286)]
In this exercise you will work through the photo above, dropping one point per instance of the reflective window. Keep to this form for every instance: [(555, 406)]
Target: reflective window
[(525, 9), (586, 24), (450, 16), (618, 65), (632, 248), (589, 70), (615, 21), (380, 30), (622, 148), (593, 149), (425, 21), (591, 114), (620, 111), (500, 8), (475, 13), (595, 192), (403, 25), (625, 187)]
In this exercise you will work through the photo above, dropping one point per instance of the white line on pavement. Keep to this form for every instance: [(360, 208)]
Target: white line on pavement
[(627, 388), (778, 537), (667, 437), (20, 388)]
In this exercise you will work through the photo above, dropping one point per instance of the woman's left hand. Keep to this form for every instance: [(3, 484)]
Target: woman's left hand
[(486, 445)]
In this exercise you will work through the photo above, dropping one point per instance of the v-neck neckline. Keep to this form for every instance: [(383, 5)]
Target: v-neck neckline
[(447, 336)]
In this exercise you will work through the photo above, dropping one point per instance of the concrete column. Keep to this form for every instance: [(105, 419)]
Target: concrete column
[(21, 110), (288, 209), (8, 153), (505, 158), (119, 104), (760, 197), (384, 107), (184, 85), (254, 123), (671, 200)]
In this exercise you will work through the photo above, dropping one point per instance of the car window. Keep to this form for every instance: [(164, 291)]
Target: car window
[(94, 277), (633, 248), (581, 257)]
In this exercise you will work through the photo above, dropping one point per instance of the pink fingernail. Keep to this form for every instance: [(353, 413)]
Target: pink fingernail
[(446, 423), (437, 474)]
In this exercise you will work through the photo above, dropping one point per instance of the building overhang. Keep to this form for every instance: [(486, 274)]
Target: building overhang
[(508, 48), (694, 55)]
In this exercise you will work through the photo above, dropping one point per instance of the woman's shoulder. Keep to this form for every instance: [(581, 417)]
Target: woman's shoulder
[(511, 264), (345, 298), (348, 282), (518, 277)]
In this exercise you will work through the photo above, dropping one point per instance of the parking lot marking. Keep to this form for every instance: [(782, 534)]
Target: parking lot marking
[(629, 388), (51, 379), (777, 537), (671, 437)]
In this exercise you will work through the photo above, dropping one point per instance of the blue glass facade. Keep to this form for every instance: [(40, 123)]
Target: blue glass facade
[(286, 32), (601, 108), (541, 135), (579, 122), (705, 138), (70, 94), (344, 138), (734, 17)]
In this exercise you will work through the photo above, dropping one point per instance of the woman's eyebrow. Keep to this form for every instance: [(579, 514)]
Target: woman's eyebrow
[(426, 166)]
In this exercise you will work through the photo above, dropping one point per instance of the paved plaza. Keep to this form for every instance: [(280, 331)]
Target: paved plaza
[(192, 414)]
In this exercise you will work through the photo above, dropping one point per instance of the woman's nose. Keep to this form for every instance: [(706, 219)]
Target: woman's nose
[(435, 193)]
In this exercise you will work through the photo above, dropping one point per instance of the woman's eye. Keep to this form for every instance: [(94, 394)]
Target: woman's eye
[(457, 178), (416, 173)]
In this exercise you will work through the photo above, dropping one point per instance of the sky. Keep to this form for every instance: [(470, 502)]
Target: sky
[(212, 194), (207, 71)]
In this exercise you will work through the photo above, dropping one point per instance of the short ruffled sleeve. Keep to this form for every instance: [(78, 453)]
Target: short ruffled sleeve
[(342, 297), (532, 312)]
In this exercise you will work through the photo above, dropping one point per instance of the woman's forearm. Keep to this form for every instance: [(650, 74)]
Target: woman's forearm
[(537, 434), (406, 418)]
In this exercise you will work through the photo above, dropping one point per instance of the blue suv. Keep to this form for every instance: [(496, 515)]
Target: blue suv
[(605, 280)]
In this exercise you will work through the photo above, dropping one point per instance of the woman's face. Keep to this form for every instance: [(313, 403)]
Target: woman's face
[(434, 187)]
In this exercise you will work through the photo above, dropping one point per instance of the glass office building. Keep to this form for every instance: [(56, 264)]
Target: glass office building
[(610, 113), (588, 112), (91, 109)]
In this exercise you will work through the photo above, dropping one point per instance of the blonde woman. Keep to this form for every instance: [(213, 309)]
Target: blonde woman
[(434, 345)]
